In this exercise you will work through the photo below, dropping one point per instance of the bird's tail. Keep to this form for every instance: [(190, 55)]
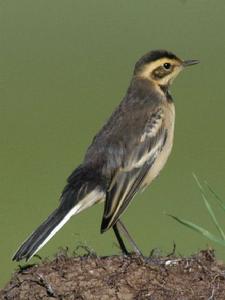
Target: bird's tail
[(78, 195)]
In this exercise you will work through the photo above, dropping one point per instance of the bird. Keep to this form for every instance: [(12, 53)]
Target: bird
[(125, 155)]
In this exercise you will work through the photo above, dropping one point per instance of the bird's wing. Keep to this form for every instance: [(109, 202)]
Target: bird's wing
[(128, 178)]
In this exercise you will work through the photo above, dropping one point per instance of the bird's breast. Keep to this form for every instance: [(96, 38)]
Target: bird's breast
[(169, 121)]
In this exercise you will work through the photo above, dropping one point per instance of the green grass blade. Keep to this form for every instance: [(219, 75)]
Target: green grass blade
[(200, 230), (219, 200), (213, 217), (209, 208), (198, 183)]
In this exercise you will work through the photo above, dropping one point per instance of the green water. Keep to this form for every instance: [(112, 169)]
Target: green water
[(64, 66)]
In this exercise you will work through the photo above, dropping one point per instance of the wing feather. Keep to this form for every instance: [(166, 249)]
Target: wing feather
[(127, 180)]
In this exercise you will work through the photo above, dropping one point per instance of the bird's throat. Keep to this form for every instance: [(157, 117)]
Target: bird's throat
[(166, 92)]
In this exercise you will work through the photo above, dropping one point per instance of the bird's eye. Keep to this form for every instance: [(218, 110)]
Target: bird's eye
[(167, 66)]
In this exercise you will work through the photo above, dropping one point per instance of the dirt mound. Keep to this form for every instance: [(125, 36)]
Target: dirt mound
[(120, 277)]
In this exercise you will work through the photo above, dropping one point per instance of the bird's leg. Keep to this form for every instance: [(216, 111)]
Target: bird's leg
[(119, 239), (120, 225), (129, 238)]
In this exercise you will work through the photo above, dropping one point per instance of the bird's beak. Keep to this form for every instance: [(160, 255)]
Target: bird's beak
[(190, 62)]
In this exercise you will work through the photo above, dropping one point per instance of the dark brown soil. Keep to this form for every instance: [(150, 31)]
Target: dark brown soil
[(119, 277)]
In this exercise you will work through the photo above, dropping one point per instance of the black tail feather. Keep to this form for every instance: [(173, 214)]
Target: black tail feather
[(31, 245), (82, 182)]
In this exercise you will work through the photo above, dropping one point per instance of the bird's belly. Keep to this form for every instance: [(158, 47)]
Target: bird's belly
[(164, 154)]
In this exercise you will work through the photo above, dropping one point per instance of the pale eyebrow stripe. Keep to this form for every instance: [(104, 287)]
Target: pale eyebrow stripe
[(154, 65)]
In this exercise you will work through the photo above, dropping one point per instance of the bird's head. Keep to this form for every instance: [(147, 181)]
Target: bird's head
[(161, 67)]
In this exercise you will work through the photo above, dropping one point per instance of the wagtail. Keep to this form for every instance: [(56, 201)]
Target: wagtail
[(124, 157)]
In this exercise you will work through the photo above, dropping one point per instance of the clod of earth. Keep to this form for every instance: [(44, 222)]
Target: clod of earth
[(120, 277)]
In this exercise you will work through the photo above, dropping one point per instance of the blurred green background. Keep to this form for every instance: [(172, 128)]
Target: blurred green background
[(64, 66)]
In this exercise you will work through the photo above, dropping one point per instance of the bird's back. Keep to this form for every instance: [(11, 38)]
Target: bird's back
[(122, 131)]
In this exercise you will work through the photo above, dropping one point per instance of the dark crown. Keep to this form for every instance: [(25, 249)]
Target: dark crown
[(153, 56)]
